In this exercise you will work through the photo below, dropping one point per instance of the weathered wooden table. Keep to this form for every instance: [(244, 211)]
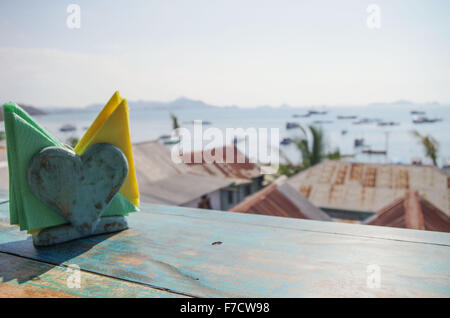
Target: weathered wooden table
[(176, 252)]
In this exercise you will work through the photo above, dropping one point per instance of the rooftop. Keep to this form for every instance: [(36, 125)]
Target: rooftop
[(228, 162), (153, 162), (163, 181), (181, 189), (369, 187), (181, 252), (280, 199), (413, 212)]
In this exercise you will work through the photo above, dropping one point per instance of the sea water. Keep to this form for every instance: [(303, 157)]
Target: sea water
[(401, 146)]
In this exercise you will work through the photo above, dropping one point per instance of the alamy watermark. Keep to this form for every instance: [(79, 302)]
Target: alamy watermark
[(74, 276), (73, 20), (262, 146), (374, 17), (373, 276)]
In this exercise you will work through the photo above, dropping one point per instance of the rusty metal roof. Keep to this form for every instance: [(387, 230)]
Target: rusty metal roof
[(230, 163), (163, 181), (369, 187), (412, 212), (280, 199)]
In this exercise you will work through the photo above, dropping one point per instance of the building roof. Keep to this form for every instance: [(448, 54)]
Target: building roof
[(229, 163), (163, 181), (280, 199), (368, 187), (181, 189), (412, 212), (153, 162)]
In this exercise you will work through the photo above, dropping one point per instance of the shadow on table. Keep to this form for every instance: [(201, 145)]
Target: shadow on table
[(48, 257)]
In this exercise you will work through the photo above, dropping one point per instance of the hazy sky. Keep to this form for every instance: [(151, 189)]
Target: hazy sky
[(243, 52)]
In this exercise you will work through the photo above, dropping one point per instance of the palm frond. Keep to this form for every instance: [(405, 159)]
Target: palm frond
[(430, 145)]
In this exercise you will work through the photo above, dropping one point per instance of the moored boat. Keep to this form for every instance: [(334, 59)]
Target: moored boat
[(290, 125), (68, 127), (358, 142), (425, 120), (347, 117)]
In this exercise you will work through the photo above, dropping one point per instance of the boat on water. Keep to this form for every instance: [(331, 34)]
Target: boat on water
[(374, 152), (344, 132), (387, 123), (310, 112), (191, 122), (425, 120), (347, 117), (68, 127), (286, 141), (319, 122), (362, 121), (301, 116), (358, 142), (417, 112), (317, 112), (290, 125)]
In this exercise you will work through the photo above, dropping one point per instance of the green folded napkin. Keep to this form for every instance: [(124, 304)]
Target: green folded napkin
[(24, 138)]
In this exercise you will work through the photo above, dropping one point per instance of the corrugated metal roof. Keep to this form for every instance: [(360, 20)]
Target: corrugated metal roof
[(181, 189), (369, 187), (163, 181), (153, 162), (240, 168), (280, 199), (413, 212)]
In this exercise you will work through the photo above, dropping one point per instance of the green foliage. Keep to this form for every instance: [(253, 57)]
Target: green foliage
[(312, 150), (289, 169), (175, 124), (335, 155), (429, 144)]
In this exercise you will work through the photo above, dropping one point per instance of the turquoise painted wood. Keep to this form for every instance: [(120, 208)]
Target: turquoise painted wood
[(64, 233), (212, 254), (79, 188), (22, 277)]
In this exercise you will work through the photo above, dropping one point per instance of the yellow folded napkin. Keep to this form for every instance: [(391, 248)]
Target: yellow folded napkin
[(112, 126)]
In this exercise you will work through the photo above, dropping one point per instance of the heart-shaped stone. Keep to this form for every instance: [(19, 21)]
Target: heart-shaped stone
[(78, 187)]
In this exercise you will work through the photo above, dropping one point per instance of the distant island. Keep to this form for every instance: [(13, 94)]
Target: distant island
[(192, 104), (180, 103), (186, 103), (29, 109)]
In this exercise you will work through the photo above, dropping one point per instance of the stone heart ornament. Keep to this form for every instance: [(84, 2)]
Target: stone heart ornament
[(78, 187)]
